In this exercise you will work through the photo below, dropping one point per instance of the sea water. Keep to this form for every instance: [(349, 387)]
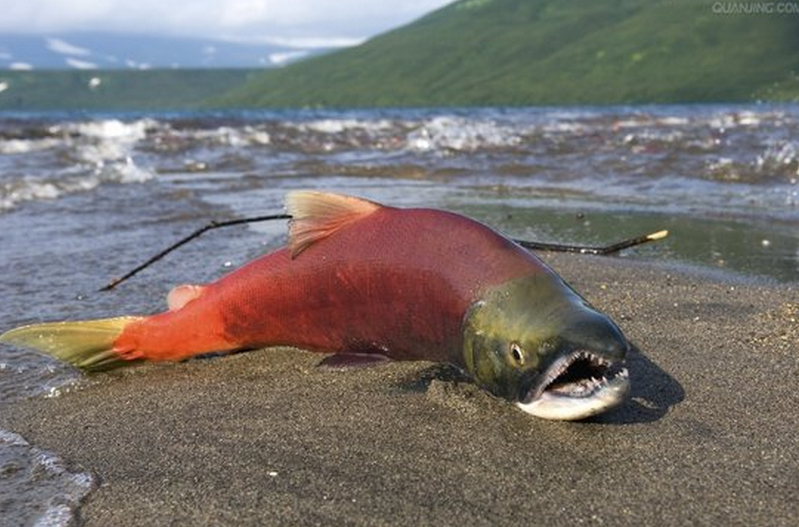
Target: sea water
[(84, 198)]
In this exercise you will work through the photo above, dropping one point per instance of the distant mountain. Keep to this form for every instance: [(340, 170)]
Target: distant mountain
[(544, 52), (112, 51)]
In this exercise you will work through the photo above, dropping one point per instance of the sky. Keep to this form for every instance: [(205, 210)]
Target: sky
[(292, 22)]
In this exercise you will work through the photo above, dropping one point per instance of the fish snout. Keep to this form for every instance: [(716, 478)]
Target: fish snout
[(596, 333), (585, 375)]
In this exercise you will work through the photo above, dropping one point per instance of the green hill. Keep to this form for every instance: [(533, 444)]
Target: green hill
[(542, 52), (174, 89)]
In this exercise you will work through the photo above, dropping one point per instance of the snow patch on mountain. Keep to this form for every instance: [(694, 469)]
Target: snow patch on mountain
[(115, 51), (80, 64), (63, 47)]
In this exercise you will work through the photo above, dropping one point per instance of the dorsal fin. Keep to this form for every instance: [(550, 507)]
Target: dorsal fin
[(317, 215), (182, 295)]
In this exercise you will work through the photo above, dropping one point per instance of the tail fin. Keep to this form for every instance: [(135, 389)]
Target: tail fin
[(89, 344)]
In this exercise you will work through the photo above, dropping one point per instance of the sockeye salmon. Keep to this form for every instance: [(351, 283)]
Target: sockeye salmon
[(364, 282)]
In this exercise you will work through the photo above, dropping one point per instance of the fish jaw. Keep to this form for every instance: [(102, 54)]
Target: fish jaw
[(577, 386)]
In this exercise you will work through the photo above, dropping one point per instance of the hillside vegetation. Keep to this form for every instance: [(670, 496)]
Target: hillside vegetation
[(483, 53), (104, 90), (550, 52)]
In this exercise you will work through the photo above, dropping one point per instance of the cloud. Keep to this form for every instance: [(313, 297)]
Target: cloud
[(242, 19)]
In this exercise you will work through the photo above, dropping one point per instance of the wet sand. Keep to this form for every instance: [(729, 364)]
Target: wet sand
[(709, 436)]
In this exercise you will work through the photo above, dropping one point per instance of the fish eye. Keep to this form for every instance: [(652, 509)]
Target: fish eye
[(516, 353)]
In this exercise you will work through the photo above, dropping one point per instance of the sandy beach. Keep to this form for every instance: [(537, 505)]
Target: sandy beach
[(709, 436)]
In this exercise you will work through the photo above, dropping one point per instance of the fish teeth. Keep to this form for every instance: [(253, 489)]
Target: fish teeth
[(593, 358), (581, 387)]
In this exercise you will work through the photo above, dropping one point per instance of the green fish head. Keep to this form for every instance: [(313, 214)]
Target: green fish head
[(536, 342)]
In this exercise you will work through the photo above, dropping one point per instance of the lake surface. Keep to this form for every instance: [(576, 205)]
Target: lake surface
[(84, 198)]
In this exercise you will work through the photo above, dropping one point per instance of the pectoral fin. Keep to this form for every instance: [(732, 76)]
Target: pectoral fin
[(182, 295)]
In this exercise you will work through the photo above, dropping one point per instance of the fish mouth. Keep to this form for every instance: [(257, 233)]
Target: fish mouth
[(576, 386)]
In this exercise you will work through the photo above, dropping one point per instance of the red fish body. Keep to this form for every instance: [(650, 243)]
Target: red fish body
[(362, 280), (395, 282)]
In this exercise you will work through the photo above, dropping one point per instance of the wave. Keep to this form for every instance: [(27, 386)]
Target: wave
[(44, 160), (60, 159), (20, 190), (457, 134), (37, 487)]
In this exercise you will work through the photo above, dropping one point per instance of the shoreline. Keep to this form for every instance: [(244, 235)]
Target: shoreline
[(265, 438)]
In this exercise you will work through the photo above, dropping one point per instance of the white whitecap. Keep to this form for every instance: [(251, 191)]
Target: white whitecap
[(114, 129), (129, 172), (24, 146), (458, 134), (337, 126), (12, 193), (45, 493)]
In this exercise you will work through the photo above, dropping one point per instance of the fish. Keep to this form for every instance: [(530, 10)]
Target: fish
[(364, 283)]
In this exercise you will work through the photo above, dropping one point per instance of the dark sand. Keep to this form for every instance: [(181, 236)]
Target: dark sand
[(710, 436)]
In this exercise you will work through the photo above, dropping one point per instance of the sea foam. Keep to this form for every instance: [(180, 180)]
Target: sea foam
[(37, 487)]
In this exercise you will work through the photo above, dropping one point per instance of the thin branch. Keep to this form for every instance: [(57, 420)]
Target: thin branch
[(196, 234), (582, 249), (610, 249)]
